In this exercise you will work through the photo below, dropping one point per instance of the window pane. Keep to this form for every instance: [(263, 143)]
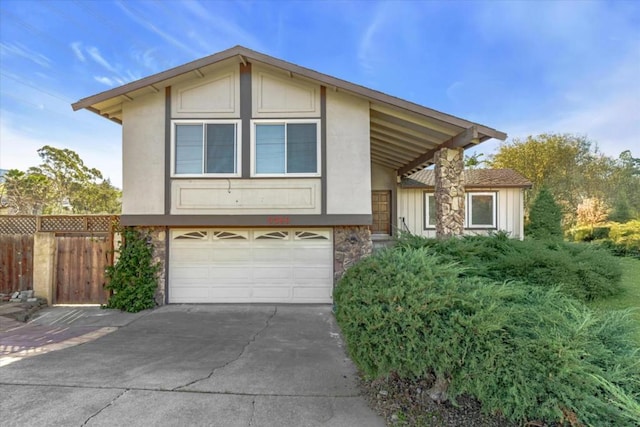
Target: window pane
[(189, 149), (482, 209), (431, 209), (221, 144), (270, 149), (302, 153)]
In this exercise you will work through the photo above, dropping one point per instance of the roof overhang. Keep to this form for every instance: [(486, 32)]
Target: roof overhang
[(404, 136)]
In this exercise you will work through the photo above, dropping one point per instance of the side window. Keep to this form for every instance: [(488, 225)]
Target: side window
[(481, 210), (429, 210)]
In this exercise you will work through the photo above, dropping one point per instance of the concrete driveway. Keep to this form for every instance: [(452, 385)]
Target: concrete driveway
[(183, 365)]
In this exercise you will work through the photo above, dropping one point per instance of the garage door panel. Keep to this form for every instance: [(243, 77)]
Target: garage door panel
[(190, 255), (271, 293), (311, 294), (310, 273), (219, 274), (265, 265), (192, 272)]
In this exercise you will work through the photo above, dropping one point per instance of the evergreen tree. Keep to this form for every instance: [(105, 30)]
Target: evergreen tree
[(545, 217)]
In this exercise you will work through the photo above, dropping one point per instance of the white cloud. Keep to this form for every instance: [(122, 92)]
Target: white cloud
[(76, 47), (151, 27), (104, 80), (94, 53), (24, 52), (367, 55)]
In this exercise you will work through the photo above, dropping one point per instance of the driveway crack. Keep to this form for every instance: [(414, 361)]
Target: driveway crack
[(253, 412), (105, 407), (244, 349)]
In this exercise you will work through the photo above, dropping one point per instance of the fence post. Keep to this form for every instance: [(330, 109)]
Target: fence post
[(44, 251)]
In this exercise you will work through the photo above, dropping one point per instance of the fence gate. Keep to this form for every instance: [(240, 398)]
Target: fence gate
[(16, 262), (80, 268)]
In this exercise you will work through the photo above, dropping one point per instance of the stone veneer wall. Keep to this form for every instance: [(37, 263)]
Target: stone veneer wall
[(158, 237), (449, 192), (350, 243)]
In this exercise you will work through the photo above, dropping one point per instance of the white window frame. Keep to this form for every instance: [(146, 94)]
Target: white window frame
[(256, 122), (469, 210), (237, 151), (428, 226)]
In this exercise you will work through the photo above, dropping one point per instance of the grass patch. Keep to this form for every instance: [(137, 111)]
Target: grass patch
[(630, 295)]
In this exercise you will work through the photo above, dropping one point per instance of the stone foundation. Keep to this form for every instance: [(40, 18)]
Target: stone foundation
[(449, 192), (158, 236), (350, 244)]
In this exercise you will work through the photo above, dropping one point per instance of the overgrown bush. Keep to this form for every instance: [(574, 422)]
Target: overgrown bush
[(579, 270), (133, 279), (523, 351)]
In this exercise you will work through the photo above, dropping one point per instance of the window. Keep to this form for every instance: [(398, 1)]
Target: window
[(286, 148), (429, 210), (206, 148), (480, 210)]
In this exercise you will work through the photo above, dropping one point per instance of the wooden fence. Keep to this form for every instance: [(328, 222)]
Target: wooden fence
[(83, 248)]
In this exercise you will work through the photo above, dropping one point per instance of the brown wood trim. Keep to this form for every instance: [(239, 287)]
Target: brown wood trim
[(295, 70), (460, 140), (167, 150), (275, 220), (246, 113)]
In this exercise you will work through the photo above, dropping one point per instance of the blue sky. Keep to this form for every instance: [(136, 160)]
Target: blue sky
[(521, 67)]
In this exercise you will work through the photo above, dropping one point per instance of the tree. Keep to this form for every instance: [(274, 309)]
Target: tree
[(62, 183), (545, 217), (26, 193), (572, 169)]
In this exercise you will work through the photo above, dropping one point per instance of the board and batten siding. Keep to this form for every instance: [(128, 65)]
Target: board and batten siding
[(510, 211)]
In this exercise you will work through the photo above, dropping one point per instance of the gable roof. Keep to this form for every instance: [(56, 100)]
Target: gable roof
[(473, 178), (404, 135)]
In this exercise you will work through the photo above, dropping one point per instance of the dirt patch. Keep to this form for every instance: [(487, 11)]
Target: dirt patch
[(406, 403)]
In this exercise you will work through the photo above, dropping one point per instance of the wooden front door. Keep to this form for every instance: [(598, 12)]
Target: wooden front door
[(381, 210)]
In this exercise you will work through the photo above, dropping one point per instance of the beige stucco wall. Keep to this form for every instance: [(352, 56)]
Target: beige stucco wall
[(348, 155), (143, 155), (277, 95), (44, 248), (382, 178), (292, 196), (510, 212), (216, 95)]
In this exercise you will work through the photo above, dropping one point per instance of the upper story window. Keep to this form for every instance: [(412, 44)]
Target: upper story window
[(480, 210), (206, 148), (288, 148)]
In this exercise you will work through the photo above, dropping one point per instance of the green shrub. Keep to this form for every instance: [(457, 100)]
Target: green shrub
[(545, 217), (133, 279), (620, 239), (583, 271), (523, 351)]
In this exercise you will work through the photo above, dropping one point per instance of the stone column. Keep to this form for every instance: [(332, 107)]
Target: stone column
[(449, 192), (159, 237), (350, 244)]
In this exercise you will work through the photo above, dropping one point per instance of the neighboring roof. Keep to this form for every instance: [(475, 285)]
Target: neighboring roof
[(472, 178), (404, 135)]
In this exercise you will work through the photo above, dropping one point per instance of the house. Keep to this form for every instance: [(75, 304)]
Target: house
[(261, 181), (494, 201)]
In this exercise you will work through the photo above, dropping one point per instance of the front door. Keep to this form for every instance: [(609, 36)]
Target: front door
[(381, 210)]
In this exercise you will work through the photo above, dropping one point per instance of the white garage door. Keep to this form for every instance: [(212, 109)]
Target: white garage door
[(240, 265)]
